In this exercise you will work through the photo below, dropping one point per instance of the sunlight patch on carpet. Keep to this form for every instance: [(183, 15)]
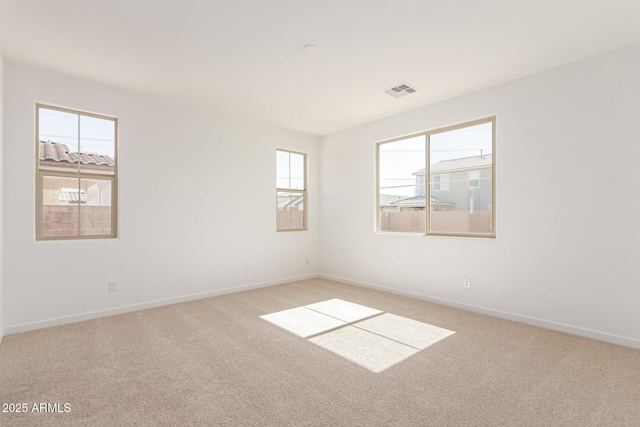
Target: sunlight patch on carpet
[(410, 332), (343, 310), (376, 343), (302, 321), (368, 350)]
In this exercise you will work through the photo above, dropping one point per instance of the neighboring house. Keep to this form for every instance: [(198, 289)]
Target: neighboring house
[(57, 155), (417, 203), (71, 196), (294, 203), (456, 184), (63, 191), (387, 202)]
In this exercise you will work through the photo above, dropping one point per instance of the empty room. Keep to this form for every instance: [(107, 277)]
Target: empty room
[(295, 213)]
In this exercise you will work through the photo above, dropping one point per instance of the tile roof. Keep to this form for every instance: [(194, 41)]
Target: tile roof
[(59, 153), (288, 202), (388, 199), (419, 201), (463, 163), (71, 195)]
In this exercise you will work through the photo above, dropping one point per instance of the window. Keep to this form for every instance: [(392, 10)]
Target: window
[(441, 182), (474, 179), (291, 194), (457, 165), (76, 179)]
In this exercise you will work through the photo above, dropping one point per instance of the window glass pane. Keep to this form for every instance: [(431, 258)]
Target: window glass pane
[(97, 145), (296, 175), (464, 205), (290, 170), (282, 169), (60, 200), (58, 140), (290, 210), (95, 210), (401, 184)]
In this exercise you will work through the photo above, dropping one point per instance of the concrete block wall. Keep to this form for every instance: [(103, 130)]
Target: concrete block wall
[(62, 220)]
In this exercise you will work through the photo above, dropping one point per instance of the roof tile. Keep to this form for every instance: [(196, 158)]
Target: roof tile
[(59, 152), (463, 163)]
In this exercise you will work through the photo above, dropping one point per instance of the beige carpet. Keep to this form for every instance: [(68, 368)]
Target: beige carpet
[(216, 362)]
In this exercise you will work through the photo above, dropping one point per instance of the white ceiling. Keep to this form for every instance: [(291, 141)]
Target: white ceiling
[(245, 58)]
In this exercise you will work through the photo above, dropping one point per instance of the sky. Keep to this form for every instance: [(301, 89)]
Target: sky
[(80, 133), (289, 170), (400, 159)]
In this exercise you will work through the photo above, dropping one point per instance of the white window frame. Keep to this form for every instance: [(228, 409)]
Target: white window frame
[(75, 174)]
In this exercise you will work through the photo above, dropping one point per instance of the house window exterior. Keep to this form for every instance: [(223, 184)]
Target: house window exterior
[(474, 179), (76, 174), (440, 182)]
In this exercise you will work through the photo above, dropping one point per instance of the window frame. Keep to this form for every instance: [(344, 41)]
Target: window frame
[(427, 209), (75, 174), (303, 192)]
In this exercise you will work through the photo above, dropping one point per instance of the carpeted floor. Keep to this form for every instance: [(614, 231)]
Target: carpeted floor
[(215, 362)]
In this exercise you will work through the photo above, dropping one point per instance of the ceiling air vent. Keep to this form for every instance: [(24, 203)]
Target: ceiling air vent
[(400, 90)]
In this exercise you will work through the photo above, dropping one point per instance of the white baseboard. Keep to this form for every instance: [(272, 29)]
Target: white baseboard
[(574, 330), (142, 306)]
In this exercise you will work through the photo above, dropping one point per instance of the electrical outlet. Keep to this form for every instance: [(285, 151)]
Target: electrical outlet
[(113, 286), (466, 283), (306, 261)]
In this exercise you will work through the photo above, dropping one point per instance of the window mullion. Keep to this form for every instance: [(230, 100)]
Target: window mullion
[(79, 148), (427, 180)]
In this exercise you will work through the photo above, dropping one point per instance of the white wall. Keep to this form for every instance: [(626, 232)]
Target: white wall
[(565, 256), (1, 200), (214, 176)]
